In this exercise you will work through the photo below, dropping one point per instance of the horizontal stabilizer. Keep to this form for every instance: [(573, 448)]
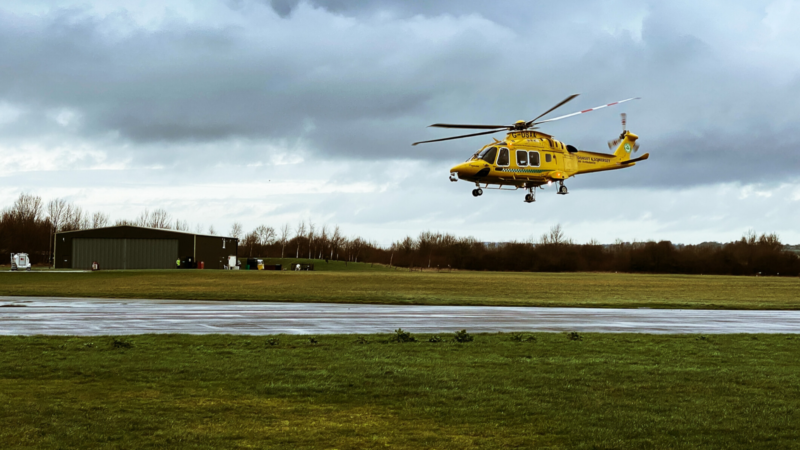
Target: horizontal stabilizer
[(641, 158)]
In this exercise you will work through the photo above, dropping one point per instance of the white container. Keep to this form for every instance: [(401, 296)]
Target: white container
[(20, 261)]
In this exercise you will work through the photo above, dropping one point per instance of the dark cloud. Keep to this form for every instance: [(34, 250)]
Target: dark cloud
[(362, 80)]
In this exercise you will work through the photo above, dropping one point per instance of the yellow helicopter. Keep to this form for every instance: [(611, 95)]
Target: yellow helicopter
[(529, 159)]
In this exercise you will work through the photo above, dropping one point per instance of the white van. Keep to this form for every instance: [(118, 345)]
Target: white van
[(20, 261)]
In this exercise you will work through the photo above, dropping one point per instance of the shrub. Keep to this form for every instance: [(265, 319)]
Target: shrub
[(273, 342), (401, 335), (120, 343), (463, 336), (313, 341), (574, 336), (519, 337), (361, 340), (435, 339)]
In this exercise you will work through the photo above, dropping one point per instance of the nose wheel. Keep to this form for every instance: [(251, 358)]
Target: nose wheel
[(477, 192), (562, 190), (530, 197)]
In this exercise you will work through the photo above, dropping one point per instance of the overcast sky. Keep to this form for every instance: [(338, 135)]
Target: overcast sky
[(277, 111)]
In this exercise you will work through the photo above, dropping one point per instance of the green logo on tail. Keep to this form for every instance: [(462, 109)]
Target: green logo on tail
[(627, 147)]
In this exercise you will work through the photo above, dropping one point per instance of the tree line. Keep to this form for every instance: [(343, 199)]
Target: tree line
[(30, 224)]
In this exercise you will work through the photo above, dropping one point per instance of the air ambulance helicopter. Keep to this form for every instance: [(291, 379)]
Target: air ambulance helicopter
[(529, 159)]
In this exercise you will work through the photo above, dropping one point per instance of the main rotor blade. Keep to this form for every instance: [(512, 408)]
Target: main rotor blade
[(552, 109), (459, 137), (586, 110), (473, 127)]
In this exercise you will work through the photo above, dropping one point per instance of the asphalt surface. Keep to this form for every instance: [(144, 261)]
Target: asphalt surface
[(89, 317)]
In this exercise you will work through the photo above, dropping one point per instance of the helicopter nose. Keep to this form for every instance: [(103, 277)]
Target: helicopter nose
[(460, 169), (465, 170)]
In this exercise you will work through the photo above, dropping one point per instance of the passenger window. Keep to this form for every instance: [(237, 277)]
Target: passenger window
[(503, 159), (522, 158), (488, 155), (547, 157), (534, 157)]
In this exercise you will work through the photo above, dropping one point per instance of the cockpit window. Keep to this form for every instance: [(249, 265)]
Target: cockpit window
[(488, 155)]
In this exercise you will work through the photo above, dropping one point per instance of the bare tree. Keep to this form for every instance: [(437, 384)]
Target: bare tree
[(250, 241), (198, 229), (284, 237), (311, 237), (27, 208), (74, 219), (336, 241), (300, 231), (323, 238), (181, 225), (211, 230), (160, 218), (55, 212), (144, 219), (99, 220), (355, 248), (236, 230), (266, 235), (555, 236), (124, 222)]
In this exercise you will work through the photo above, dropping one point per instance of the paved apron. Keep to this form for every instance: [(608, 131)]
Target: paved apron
[(87, 317)]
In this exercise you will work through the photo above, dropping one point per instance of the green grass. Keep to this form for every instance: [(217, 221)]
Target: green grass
[(363, 283), (605, 391), (321, 266)]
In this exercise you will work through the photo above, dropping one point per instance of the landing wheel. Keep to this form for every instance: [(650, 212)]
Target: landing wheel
[(475, 193), (479, 191), (563, 190), (528, 198)]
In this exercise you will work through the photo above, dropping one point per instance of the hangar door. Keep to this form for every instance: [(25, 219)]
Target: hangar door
[(124, 253)]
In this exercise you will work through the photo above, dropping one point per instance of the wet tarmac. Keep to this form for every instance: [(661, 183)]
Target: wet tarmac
[(88, 317)]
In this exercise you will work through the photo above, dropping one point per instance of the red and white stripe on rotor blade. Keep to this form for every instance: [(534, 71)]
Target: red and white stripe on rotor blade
[(588, 110)]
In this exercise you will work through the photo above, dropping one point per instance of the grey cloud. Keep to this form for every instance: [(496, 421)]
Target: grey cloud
[(283, 7), (364, 92)]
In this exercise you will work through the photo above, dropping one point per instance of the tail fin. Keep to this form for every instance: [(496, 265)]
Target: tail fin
[(625, 148)]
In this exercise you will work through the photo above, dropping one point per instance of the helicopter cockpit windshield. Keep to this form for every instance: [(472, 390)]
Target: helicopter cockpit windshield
[(488, 154)]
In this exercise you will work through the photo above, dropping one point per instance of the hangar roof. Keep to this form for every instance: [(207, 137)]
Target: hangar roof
[(134, 228)]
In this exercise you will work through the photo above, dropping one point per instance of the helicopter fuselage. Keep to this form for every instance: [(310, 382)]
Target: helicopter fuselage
[(528, 159)]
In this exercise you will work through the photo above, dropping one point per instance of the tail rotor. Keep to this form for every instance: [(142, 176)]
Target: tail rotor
[(614, 143)]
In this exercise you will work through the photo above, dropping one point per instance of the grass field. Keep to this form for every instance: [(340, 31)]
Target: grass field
[(363, 283), (602, 392)]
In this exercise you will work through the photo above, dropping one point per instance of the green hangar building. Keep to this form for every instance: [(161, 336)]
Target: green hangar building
[(129, 247)]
